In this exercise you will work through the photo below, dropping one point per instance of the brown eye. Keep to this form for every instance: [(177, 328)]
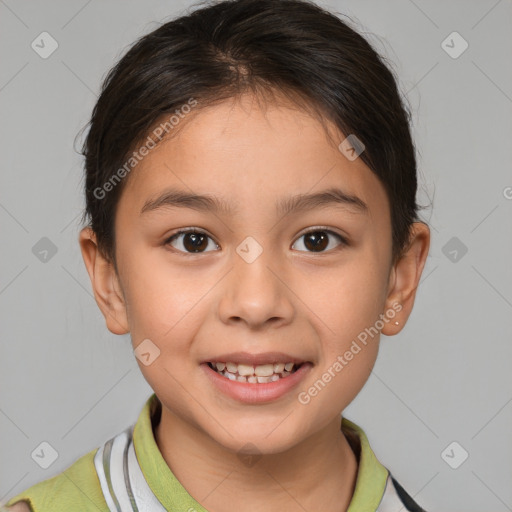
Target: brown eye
[(318, 240), (190, 241)]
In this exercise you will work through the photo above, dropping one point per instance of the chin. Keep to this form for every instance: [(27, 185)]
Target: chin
[(258, 437)]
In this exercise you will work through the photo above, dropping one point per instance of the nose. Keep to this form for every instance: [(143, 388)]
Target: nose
[(256, 293)]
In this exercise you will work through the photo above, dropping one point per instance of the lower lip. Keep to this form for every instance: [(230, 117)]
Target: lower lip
[(256, 393)]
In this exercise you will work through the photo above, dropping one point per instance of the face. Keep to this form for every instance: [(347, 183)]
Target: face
[(253, 281)]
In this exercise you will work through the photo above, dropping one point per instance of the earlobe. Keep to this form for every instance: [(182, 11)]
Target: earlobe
[(405, 277), (104, 281)]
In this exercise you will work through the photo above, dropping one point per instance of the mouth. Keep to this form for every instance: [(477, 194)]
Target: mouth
[(254, 374), (256, 378)]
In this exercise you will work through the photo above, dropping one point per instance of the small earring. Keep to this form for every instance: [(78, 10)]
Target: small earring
[(396, 323)]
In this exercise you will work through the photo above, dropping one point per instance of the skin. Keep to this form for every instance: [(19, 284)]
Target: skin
[(291, 299)]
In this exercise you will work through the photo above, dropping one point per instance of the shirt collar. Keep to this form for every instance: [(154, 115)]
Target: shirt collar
[(369, 489)]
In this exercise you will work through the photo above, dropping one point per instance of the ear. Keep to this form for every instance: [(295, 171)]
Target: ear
[(105, 283), (404, 278)]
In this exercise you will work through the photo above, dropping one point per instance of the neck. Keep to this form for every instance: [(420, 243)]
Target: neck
[(318, 474)]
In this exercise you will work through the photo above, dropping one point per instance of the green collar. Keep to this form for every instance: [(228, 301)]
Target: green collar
[(370, 484)]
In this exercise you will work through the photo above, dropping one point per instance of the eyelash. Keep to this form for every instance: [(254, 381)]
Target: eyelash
[(321, 229)]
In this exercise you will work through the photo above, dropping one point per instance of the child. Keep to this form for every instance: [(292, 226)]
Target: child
[(250, 186)]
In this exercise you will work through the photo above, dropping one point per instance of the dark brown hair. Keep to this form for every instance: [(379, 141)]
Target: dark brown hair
[(227, 48)]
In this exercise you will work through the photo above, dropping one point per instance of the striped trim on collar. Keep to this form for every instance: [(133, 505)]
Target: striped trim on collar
[(122, 482)]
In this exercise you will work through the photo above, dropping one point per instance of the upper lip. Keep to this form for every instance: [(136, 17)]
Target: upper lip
[(255, 359)]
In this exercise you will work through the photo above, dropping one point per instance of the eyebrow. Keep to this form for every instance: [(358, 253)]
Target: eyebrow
[(175, 198)]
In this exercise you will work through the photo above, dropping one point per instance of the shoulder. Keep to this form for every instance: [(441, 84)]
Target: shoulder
[(77, 487)]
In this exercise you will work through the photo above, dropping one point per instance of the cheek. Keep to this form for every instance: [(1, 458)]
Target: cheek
[(339, 378), (165, 307), (168, 306), (346, 305), (347, 300), (158, 296)]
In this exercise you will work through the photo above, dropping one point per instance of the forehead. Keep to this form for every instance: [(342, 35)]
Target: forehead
[(253, 155)]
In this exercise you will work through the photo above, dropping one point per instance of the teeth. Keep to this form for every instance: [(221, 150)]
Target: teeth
[(262, 373), (264, 370), (232, 367), (244, 369)]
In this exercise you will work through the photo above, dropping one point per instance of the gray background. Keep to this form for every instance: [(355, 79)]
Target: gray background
[(67, 380)]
